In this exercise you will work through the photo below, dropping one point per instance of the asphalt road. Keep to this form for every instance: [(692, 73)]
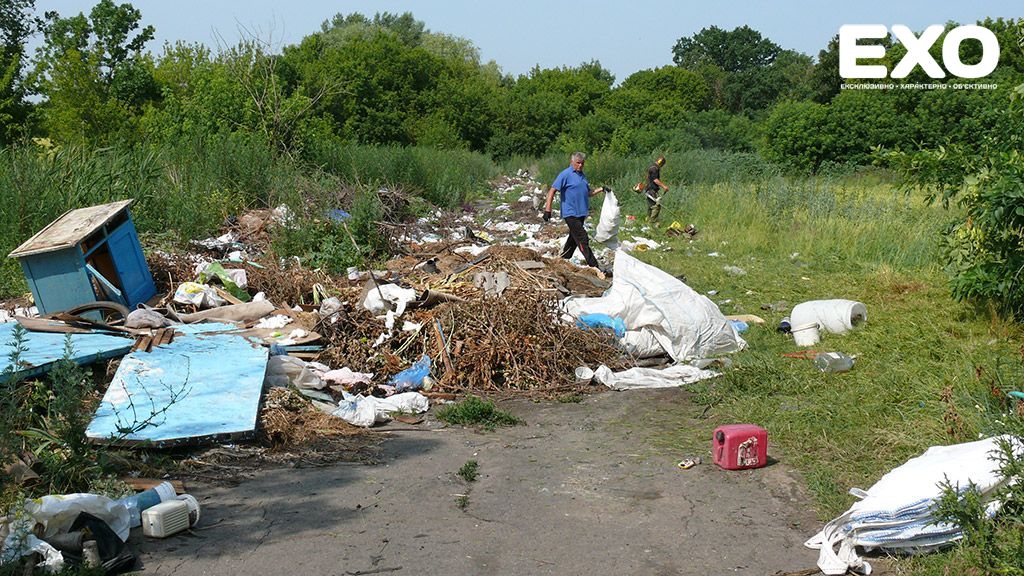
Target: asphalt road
[(588, 488)]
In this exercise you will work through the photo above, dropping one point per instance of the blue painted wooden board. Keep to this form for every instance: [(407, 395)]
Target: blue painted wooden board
[(219, 378), (44, 349), (58, 280), (131, 264)]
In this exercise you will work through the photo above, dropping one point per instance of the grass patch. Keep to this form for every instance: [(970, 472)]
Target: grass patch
[(916, 380), (462, 501), (474, 411), (469, 471)]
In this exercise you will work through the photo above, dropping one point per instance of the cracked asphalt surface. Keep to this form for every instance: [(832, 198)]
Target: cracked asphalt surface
[(582, 488)]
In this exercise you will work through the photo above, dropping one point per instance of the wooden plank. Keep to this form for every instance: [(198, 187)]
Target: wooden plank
[(226, 295), (45, 349), (70, 229), (143, 344), (206, 385), (140, 484)]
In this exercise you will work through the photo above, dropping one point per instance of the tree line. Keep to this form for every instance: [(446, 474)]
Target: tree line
[(387, 79)]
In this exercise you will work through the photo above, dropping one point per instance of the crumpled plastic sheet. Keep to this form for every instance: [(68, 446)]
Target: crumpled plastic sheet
[(399, 297), (56, 513), (346, 377), (634, 378), (365, 411)]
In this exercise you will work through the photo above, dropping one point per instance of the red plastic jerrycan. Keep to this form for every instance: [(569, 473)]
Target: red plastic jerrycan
[(740, 446)]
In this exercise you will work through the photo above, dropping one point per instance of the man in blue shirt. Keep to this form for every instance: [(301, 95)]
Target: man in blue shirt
[(574, 194)]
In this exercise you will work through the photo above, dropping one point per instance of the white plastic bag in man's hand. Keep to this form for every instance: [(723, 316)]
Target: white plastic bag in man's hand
[(611, 218)]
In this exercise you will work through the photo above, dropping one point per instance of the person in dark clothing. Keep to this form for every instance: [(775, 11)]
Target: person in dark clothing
[(654, 188), (574, 196)]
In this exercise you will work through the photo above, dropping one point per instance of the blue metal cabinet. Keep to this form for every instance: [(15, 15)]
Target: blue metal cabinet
[(86, 255)]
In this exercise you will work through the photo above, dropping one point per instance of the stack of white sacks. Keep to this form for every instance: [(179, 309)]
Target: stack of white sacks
[(897, 513)]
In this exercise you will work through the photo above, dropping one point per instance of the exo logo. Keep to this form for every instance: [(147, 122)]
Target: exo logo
[(917, 51)]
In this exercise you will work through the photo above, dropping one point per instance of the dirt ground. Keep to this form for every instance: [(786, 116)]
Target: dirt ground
[(581, 488)]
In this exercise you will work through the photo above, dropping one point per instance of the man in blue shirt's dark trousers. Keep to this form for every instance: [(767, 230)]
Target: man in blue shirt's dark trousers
[(574, 195)]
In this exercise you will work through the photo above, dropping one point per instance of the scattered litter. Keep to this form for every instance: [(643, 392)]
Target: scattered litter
[(199, 295), (611, 217), (748, 318), (739, 326), (275, 322), (833, 362), (44, 349), (383, 297), (492, 283), (598, 320), (204, 367), (734, 270), (687, 463), (145, 318), (346, 377), (806, 334), (86, 255)]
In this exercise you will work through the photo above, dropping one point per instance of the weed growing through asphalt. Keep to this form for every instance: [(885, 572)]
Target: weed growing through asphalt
[(474, 411), (469, 471), (462, 501)]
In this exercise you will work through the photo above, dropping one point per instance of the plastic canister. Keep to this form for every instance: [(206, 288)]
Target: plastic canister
[(806, 334), (162, 492), (740, 446)]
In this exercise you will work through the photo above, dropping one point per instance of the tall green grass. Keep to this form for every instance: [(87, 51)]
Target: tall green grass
[(916, 379), (443, 177), (189, 187)]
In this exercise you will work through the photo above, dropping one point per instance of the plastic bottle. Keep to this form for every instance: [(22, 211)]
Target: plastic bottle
[(146, 499), (833, 362), (91, 554)]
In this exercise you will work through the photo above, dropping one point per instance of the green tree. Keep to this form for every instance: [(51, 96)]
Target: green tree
[(983, 251), (740, 49), (92, 73), (535, 109), (825, 79), (16, 25)]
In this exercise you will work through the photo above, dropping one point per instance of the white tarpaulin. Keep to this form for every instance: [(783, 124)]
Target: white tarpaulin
[(685, 323), (897, 513), (634, 378)]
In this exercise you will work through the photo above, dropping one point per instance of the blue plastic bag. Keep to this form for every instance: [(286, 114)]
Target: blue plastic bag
[(603, 321), (411, 378), (338, 215), (739, 326)]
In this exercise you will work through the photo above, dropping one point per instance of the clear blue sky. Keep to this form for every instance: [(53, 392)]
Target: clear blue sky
[(518, 34)]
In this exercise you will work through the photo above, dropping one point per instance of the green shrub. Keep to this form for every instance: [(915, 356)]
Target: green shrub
[(469, 471), (474, 411)]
